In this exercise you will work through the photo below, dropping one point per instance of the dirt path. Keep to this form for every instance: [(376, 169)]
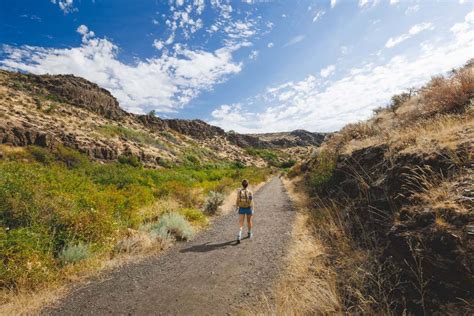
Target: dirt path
[(209, 275)]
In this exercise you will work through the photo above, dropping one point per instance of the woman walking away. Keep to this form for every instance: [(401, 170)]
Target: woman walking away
[(246, 207)]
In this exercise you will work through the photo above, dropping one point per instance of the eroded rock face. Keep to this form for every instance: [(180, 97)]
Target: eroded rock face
[(75, 90), (24, 136), (195, 128), (296, 138), (380, 200)]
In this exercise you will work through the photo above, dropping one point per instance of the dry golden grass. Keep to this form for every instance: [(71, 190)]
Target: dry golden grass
[(308, 283), (440, 116)]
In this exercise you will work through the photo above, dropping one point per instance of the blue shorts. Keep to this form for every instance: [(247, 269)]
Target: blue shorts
[(245, 211)]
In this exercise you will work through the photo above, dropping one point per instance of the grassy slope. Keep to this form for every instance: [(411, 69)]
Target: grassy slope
[(59, 210), (392, 200)]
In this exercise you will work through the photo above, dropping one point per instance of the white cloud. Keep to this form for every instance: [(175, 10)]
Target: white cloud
[(158, 44), (414, 30), (318, 15), (67, 6), (392, 2), (166, 83), (294, 40), (253, 54), (344, 50), (412, 9), (333, 3), (319, 105), (270, 45), (327, 71), (367, 3)]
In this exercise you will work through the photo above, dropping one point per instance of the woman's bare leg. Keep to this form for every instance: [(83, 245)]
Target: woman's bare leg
[(249, 223), (241, 225)]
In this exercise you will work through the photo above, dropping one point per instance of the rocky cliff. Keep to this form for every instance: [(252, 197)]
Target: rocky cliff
[(48, 110)]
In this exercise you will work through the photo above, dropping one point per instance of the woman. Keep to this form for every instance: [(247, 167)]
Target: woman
[(246, 207)]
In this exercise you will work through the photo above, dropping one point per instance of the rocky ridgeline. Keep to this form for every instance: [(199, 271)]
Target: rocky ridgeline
[(46, 110), (73, 90), (87, 95)]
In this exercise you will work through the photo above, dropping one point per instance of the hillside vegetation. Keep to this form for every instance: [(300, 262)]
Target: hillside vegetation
[(393, 200), (61, 212), (83, 181)]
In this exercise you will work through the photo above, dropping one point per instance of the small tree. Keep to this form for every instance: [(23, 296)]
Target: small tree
[(152, 113)]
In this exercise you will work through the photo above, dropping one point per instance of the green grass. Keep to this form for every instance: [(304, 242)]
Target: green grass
[(321, 172), (52, 201), (131, 134), (274, 158)]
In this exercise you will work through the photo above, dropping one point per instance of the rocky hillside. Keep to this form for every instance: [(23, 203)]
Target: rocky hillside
[(64, 109), (401, 188), (296, 138)]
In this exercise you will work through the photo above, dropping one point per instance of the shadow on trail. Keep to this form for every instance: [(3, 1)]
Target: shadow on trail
[(206, 247)]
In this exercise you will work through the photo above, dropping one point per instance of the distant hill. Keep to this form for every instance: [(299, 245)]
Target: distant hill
[(47, 110), (292, 139)]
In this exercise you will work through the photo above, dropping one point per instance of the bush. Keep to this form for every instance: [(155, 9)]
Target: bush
[(321, 170), (74, 253), (130, 160), (41, 154), (294, 171), (173, 224), (192, 159), (450, 95), (288, 164), (194, 216), (213, 201), (70, 157), (26, 258)]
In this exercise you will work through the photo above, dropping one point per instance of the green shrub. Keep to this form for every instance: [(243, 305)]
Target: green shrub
[(269, 156), (288, 164), (213, 201), (194, 216), (130, 160), (70, 157), (131, 134), (42, 155), (73, 253), (173, 225), (26, 258), (192, 159), (322, 170)]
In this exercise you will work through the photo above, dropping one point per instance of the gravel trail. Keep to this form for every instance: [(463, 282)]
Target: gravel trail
[(210, 275)]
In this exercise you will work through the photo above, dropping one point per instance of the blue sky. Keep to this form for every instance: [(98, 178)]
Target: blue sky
[(250, 66)]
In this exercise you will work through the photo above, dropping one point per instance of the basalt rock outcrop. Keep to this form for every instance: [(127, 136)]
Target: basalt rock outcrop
[(385, 199)]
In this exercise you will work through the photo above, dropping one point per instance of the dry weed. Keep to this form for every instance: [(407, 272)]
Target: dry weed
[(308, 284)]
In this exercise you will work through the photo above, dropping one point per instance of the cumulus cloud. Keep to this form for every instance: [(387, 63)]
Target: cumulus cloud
[(166, 83), (319, 105), (414, 30), (392, 2), (67, 6), (270, 45), (333, 3), (327, 71), (294, 40), (253, 54)]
